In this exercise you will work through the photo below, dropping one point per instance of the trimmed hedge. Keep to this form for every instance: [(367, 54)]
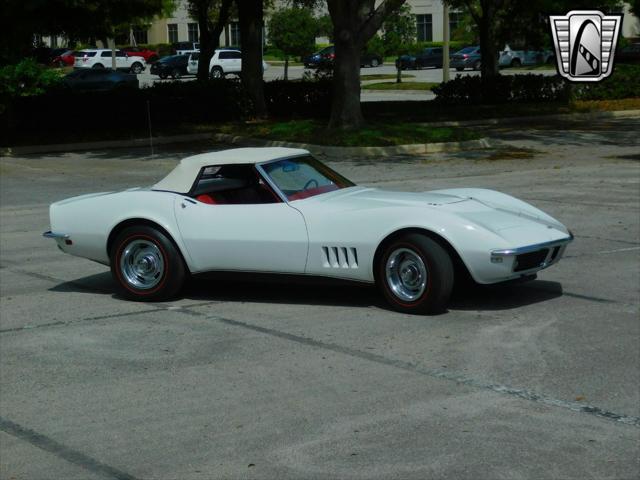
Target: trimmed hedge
[(623, 83), (473, 90), (295, 99), (169, 104)]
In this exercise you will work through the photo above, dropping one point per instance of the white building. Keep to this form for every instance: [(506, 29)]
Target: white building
[(180, 27)]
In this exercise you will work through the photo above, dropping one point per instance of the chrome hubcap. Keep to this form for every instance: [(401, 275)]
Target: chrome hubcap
[(406, 274), (141, 264)]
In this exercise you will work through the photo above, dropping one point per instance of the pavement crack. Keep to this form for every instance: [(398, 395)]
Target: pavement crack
[(62, 451), (448, 375)]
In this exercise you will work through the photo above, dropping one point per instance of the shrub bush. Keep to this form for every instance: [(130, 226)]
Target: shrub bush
[(27, 78), (306, 98), (472, 90), (170, 104), (624, 82)]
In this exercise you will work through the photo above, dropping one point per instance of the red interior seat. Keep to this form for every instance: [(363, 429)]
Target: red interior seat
[(206, 198)]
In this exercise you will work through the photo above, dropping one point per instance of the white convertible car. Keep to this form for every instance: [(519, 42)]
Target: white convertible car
[(279, 210)]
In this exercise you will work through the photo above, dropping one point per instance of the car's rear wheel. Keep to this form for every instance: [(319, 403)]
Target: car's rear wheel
[(176, 74), (477, 65), (459, 69), (516, 63), (374, 62), (98, 65), (162, 76), (217, 72), (137, 68), (146, 265), (415, 274)]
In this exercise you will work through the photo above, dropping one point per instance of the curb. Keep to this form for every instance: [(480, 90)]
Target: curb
[(534, 118), (327, 150), (330, 151), (70, 147)]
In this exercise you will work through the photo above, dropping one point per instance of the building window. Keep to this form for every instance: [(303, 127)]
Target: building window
[(234, 34), (193, 32), (424, 26), (140, 35), (454, 22), (172, 29)]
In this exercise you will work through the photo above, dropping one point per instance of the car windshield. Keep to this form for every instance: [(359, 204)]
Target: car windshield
[(303, 177), (468, 50)]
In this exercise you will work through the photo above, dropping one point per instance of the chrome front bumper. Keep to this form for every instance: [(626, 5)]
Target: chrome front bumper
[(525, 260)]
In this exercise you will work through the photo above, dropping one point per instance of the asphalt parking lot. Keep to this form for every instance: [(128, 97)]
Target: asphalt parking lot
[(250, 380)]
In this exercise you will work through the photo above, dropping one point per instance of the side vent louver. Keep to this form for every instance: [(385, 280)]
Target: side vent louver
[(339, 257)]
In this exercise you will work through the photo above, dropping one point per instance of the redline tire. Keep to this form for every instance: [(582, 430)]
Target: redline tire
[(154, 249), (438, 284)]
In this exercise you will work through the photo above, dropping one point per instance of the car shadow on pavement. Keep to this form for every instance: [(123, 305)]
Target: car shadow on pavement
[(280, 289), (505, 296)]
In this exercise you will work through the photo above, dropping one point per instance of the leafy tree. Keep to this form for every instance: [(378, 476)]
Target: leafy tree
[(398, 30), (325, 27), (293, 30), (212, 16), (20, 20)]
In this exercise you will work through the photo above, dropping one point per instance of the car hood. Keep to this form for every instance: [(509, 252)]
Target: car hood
[(489, 209)]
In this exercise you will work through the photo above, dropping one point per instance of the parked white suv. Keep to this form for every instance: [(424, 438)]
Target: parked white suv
[(223, 62), (101, 58)]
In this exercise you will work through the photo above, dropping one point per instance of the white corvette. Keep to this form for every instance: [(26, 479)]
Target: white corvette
[(279, 210)]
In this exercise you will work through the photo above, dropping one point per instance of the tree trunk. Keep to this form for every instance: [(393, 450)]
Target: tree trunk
[(286, 67), (488, 47), (345, 109), (250, 13), (209, 32), (354, 23), (208, 46)]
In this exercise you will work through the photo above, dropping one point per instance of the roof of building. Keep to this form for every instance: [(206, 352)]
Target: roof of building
[(181, 178)]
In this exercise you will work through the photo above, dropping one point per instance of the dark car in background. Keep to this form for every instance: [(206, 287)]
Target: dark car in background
[(99, 79), (429, 57), (468, 57), (325, 58), (174, 66), (628, 54)]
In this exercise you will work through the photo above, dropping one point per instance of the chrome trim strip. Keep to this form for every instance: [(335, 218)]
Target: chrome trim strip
[(50, 234), (509, 252)]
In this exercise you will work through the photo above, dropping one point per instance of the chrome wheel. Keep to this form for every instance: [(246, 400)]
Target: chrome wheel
[(142, 264), (406, 274)]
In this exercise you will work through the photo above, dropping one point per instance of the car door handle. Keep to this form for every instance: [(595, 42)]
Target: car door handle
[(184, 205)]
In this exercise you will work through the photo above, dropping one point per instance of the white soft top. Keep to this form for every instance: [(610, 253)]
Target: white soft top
[(181, 178)]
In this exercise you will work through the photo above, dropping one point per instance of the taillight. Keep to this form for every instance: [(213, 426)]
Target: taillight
[(465, 55)]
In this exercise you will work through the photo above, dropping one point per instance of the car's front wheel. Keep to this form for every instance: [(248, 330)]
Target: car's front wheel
[(176, 74), (146, 265), (415, 274)]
